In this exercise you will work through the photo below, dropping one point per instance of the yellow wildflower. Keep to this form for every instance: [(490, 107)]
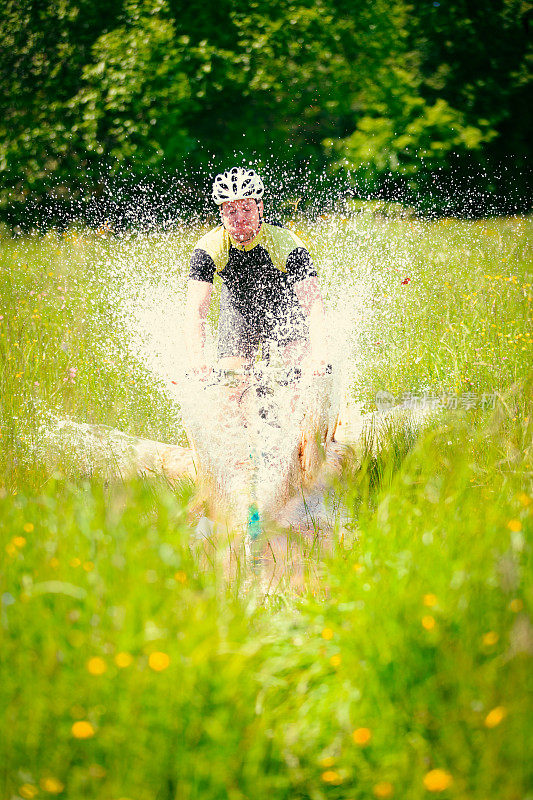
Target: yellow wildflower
[(181, 576), (51, 785), (362, 736), (514, 525), (123, 660), (330, 776), (383, 789), (327, 633), (19, 541), (82, 730), (96, 665), (158, 661), (428, 622), (335, 660), (28, 791), (437, 780), (495, 716), (328, 761), (490, 638), (29, 527), (430, 600), (516, 605)]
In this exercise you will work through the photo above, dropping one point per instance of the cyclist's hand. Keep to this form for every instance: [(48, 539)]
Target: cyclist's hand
[(319, 368), (201, 372)]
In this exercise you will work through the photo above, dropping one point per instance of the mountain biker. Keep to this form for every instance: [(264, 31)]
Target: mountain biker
[(270, 292)]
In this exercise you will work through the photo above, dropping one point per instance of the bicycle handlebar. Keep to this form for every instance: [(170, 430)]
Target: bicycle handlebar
[(262, 375)]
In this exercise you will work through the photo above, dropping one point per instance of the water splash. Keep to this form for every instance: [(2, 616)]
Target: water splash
[(138, 276)]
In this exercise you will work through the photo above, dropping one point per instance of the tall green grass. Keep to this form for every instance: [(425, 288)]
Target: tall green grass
[(62, 349), (130, 670)]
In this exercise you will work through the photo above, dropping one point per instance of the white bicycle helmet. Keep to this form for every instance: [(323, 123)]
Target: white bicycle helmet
[(237, 184)]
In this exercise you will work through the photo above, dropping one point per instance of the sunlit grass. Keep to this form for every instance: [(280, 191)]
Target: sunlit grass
[(130, 670), (451, 301), (62, 347)]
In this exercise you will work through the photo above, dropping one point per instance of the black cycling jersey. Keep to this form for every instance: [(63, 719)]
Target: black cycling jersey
[(259, 276)]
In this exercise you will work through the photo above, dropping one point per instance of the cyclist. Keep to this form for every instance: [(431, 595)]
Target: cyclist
[(270, 292)]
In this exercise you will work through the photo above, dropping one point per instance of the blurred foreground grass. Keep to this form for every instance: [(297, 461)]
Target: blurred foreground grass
[(128, 670)]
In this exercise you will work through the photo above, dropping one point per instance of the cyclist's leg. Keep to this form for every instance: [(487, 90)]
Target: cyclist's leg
[(238, 343), (294, 348), (237, 347)]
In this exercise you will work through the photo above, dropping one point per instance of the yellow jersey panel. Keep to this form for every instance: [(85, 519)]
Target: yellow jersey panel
[(278, 242)]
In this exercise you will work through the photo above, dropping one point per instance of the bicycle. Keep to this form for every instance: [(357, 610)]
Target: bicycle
[(260, 395)]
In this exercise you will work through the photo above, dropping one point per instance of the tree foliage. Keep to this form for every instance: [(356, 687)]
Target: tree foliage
[(386, 94)]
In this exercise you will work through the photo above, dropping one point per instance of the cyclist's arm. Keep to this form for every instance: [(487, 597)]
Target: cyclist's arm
[(310, 299), (199, 288), (196, 308)]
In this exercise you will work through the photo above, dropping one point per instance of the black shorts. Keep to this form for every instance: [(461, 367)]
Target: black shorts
[(240, 336)]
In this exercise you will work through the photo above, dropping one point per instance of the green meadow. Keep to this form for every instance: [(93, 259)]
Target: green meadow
[(132, 670)]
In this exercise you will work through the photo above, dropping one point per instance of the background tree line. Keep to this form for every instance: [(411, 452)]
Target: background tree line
[(102, 102)]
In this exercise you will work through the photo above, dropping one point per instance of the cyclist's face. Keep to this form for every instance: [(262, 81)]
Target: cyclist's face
[(242, 218)]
